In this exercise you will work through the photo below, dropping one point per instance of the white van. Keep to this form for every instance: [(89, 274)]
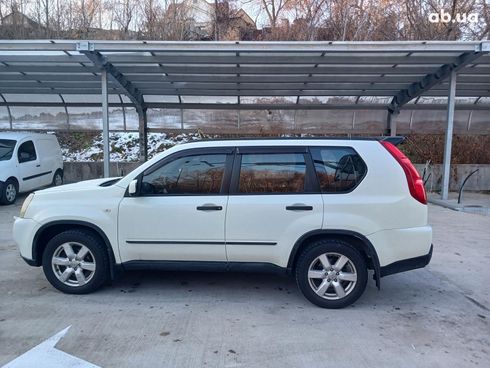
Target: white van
[(28, 161)]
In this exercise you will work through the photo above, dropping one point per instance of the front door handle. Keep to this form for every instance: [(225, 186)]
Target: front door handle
[(209, 207), (38, 165), (299, 207)]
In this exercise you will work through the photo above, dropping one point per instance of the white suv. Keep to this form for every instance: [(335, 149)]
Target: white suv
[(323, 210)]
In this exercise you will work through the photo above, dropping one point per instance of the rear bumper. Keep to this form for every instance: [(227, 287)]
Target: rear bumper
[(407, 264), (395, 245)]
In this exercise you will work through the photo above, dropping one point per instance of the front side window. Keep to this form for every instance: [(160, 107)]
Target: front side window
[(339, 169), (192, 175), (27, 152), (272, 173), (6, 149)]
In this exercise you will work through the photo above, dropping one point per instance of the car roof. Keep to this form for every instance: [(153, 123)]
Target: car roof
[(21, 135)]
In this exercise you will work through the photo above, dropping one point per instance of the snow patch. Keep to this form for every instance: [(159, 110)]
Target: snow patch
[(125, 146)]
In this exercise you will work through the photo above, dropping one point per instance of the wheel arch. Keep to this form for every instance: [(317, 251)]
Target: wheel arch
[(14, 179), (358, 241), (51, 229)]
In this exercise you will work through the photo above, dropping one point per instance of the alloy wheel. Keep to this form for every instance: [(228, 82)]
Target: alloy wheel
[(10, 192), (73, 264), (332, 276)]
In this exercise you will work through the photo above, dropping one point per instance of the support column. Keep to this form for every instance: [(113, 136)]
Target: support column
[(105, 123), (8, 110), (391, 124), (446, 163), (143, 133)]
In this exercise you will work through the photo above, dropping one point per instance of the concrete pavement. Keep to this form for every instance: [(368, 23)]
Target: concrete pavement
[(435, 317)]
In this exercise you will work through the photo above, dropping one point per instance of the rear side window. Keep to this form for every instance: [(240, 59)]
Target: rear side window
[(27, 152), (339, 169), (272, 173), (191, 175)]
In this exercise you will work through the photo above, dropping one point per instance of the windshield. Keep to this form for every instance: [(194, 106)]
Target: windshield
[(6, 149)]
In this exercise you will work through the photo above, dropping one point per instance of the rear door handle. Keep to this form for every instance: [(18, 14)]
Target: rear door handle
[(209, 207), (299, 207), (38, 165)]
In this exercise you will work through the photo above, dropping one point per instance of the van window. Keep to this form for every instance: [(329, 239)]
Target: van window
[(27, 152), (272, 173), (6, 149), (192, 175), (339, 169)]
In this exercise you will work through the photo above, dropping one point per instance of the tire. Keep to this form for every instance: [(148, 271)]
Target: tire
[(328, 285), (83, 274), (58, 178), (10, 189)]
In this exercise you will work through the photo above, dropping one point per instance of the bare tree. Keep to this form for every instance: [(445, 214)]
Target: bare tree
[(308, 15), (178, 21), (125, 13), (152, 15)]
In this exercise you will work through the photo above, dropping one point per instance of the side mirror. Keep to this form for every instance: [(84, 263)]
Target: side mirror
[(132, 189)]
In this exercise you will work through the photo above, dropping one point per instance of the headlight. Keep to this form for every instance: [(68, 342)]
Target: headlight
[(26, 204)]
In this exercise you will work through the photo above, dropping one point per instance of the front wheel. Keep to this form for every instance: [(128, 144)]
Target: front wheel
[(76, 262), (331, 273), (9, 192)]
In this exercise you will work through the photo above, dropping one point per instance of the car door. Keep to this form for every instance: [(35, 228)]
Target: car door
[(179, 213), (29, 168), (45, 148), (274, 200)]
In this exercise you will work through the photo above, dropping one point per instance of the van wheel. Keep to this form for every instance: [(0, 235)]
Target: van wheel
[(9, 192), (58, 178), (331, 273), (76, 262)]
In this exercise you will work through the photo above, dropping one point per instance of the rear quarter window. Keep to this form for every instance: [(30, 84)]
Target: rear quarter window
[(339, 169)]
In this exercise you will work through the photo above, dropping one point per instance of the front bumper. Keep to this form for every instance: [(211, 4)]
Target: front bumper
[(407, 264), (23, 234)]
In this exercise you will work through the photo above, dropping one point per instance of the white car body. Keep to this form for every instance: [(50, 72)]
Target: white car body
[(34, 172), (379, 215)]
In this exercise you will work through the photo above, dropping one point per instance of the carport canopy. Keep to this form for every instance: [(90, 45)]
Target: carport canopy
[(241, 75)]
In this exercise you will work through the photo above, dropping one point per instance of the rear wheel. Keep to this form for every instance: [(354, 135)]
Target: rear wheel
[(331, 273), (76, 262), (58, 178), (9, 192)]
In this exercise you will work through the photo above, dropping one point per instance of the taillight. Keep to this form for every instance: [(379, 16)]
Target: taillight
[(415, 183)]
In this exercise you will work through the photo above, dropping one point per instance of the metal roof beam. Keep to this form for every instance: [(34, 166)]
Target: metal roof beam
[(234, 93), (242, 106), (44, 77), (212, 70), (268, 59), (243, 46), (58, 69), (430, 80), (121, 81), (176, 78)]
